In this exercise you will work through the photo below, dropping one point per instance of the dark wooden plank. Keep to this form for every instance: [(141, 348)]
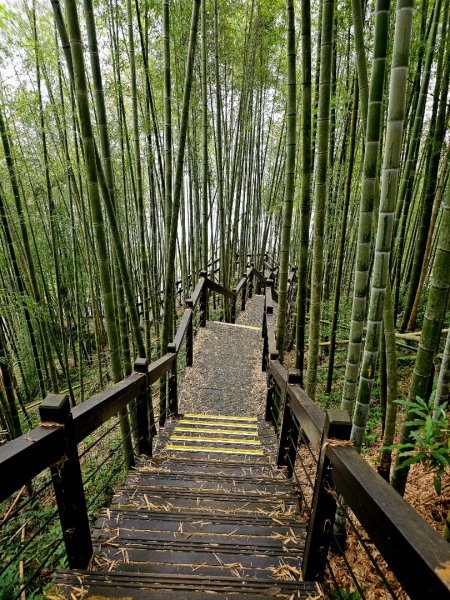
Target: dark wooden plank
[(153, 540), (279, 373), (160, 367), (307, 413), (116, 515), (27, 456), (259, 275), (229, 470), (151, 521), (138, 496), (246, 458), (213, 484), (269, 303), (216, 287), (147, 558), (197, 291), (241, 283), (92, 413), (416, 553), (170, 586), (182, 328), (273, 352), (201, 568)]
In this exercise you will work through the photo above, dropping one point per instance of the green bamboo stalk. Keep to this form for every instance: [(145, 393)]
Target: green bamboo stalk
[(369, 189), (219, 151), (343, 233), (392, 379), (408, 174), (289, 189), (429, 338), (361, 62), (305, 206), (388, 195), (170, 258), (320, 193), (81, 91), (436, 143), (10, 163), (204, 139)]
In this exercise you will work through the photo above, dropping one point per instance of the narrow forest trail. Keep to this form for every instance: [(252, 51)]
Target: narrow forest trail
[(210, 513)]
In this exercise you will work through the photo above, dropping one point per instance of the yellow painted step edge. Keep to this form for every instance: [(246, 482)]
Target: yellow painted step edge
[(219, 417), (215, 449), (220, 424), (200, 430), (214, 439), (240, 325)]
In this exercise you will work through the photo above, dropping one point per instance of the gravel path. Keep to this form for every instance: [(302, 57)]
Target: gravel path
[(226, 377)]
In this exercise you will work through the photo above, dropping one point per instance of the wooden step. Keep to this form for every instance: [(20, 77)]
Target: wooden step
[(210, 514), (185, 499), (229, 468), (211, 482), (169, 586)]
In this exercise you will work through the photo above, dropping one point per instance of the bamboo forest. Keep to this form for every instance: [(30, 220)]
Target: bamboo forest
[(224, 282)]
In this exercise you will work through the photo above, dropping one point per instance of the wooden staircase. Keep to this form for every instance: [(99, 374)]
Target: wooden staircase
[(209, 515)]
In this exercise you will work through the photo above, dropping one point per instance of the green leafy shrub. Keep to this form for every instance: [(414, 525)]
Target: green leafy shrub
[(431, 445)]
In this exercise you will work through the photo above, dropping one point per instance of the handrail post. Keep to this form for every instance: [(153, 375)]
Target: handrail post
[(250, 281), (233, 306), (142, 401), (287, 445), (173, 382), (268, 415), (337, 427), (68, 484), (190, 337), (203, 300), (244, 292), (265, 351)]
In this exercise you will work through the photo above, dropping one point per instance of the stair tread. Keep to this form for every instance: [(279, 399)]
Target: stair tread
[(173, 586), (189, 524)]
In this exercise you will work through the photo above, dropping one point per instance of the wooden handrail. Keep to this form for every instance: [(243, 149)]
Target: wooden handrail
[(197, 291), (160, 367), (279, 373), (241, 284), (272, 345), (269, 302), (28, 455), (407, 543), (182, 328), (416, 553), (307, 413), (95, 411), (216, 287)]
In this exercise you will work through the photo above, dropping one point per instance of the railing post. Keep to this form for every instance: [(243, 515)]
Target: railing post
[(68, 484), (142, 401), (203, 300), (244, 292), (190, 337), (250, 281), (173, 382), (233, 306), (268, 415), (269, 284), (287, 445), (265, 352), (337, 427)]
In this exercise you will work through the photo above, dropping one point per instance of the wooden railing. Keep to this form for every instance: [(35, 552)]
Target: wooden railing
[(416, 554), (54, 444)]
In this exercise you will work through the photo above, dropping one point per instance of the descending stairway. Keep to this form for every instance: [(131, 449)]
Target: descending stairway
[(210, 514)]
